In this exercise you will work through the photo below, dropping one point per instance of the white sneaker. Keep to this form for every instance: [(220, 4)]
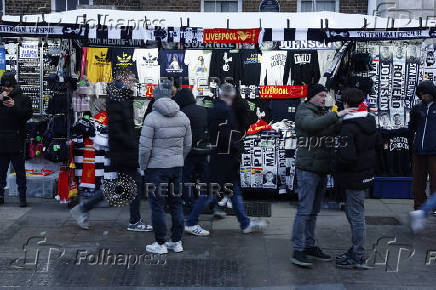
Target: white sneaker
[(229, 203), (155, 248), (223, 201), (256, 226), (176, 247), (196, 230), (80, 217), (417, 220)]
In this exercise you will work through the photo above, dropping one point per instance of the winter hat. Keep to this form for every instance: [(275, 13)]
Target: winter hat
[(227, 90), (8, 80), (163, 90), (426, 87), (314, 90)]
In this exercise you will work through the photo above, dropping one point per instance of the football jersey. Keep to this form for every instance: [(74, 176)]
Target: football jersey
[(99, 66)]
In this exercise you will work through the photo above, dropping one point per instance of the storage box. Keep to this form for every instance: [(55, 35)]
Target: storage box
[(37, 186), (393, 187)]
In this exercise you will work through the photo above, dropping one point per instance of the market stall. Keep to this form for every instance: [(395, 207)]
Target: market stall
[(271, 58)]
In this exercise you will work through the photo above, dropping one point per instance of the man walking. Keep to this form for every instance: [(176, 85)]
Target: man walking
[(15, 111), (224, 164), (315, 130), (165, 142), (355, 169), (422, 129)]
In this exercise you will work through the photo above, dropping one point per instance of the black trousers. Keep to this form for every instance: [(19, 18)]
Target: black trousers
[(17, 160)]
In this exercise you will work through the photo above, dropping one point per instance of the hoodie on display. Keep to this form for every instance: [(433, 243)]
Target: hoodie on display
[(356, 156), (272, 67), (303, 67), (165, 137), (250, 66), (225, 64)]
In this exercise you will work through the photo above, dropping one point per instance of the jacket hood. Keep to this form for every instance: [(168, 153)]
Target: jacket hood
[(184, 98), (166, 107), (363, 120)]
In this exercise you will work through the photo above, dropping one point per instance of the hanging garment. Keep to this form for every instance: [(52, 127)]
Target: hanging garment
[(147, 65), (301, 67), (250, 66), (198, 62), (99, 65), (273, 67)]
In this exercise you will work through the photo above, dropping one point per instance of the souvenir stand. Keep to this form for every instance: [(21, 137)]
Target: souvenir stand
[(270, 57)]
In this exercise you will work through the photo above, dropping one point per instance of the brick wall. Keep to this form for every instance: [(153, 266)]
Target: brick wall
[(120, 4), (285, 5), (353, 6), (171, 5), (16, 7)]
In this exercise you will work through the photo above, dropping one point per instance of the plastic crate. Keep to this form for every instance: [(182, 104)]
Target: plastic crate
[(393, 187), (37, 186)]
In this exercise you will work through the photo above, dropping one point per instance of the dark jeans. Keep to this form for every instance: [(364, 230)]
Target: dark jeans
[(17, 160), (195, 168), (423, 165), (135, 214), (355, 211), (170, 177), (238, 206), (310, 188)]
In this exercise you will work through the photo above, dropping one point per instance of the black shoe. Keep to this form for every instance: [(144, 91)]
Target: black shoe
[(351, 263), (23, 203), (2, 200), (345, 255), (299, 258), (317, 254)]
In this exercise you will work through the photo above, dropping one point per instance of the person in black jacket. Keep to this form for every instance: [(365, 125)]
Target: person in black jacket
[(224, 163), (422, 128), (15, 111), (355, 169), (196, 161), (123, 149)]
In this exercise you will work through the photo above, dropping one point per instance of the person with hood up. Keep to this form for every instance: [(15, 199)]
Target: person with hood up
[(315, 156), (355, 169), (165, 141), (15, 111), (196, 162), (422, 128)]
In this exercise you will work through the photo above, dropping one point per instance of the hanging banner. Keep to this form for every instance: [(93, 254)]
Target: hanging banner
[(345, 34), (49, 30), (398, 86), (283, 92), (308, 44), (222, 35), (150, 87), (385, 86)]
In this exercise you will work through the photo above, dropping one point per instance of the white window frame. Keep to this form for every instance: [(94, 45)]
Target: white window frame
[(53, 4), (239, 4), (299, 6)]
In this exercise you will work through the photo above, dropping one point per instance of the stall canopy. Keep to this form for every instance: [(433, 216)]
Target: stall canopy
[(247, 27)]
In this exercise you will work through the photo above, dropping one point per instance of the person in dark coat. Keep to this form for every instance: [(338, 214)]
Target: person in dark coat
[(315, 128), (225, 137), (15, 111), (422, 129), (355, 169), (123, 149), (196, 162)]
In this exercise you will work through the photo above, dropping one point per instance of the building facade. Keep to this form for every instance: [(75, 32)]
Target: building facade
[(17, 7)]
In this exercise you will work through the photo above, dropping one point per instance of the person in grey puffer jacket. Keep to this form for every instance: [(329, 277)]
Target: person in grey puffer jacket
[(165, 141)]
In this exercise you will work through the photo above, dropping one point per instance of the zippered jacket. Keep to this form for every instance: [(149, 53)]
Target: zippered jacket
[(422, 128)]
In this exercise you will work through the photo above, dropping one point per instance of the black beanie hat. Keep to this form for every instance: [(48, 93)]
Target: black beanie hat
[(314, 90), (426, 87), (8, 80)]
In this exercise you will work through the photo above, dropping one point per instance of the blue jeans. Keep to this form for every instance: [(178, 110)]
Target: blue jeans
[(157, 199), (135, 215), (237, 202), (310, 188), (430, 205), (195, 168), (355, 211)]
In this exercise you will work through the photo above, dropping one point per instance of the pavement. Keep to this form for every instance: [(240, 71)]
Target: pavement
[(42, 248)]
